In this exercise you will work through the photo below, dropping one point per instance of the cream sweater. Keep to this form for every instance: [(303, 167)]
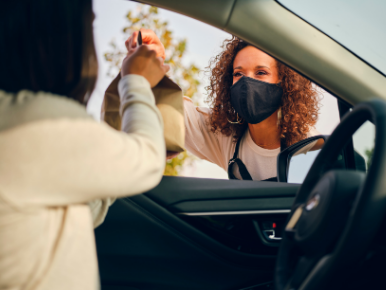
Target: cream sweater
[(55, 161), (219, 149)]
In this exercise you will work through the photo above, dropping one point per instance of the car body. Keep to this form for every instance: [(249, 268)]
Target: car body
[(193, 233)]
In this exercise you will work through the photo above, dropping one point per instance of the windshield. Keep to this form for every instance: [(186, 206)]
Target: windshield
[(356, 24)]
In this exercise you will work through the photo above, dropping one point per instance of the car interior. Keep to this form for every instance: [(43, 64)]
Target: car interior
[(326, 231)]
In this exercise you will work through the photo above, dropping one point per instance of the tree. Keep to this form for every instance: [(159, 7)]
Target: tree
[(369, 153), (186, 76)]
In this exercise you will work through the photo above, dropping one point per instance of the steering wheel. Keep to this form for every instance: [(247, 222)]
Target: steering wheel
[(336, 214)]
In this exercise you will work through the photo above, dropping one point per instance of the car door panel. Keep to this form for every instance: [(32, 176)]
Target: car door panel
[(147, 243), (233, 205), (198, 194)]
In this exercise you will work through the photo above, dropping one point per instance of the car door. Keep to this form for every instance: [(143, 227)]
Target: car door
[(195, 233)]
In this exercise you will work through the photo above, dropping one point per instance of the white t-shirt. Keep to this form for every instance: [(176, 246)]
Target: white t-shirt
[(219, 149)]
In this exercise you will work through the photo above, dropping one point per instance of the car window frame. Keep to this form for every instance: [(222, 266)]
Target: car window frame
[(348, 151)]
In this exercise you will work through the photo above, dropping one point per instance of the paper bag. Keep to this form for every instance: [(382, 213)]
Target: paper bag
[(169, 101)]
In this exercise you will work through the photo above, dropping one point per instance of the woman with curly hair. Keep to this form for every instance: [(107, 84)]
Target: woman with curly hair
[(258, 107)]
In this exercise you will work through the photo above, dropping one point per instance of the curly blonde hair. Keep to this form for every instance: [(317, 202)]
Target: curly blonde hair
[(300, 101)]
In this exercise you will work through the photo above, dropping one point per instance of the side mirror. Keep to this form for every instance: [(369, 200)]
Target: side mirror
[(294, 162)]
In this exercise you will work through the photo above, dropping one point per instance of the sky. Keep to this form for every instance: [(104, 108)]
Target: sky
[(204, 42)]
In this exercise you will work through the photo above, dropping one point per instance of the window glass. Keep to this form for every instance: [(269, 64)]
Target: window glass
[(328, 113), (363, 141), (300, 165), (357, 25)]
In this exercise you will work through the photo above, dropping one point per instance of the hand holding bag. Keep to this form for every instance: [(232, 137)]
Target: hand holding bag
[(169, 101)]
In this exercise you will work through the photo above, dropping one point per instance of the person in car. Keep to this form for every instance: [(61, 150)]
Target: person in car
[(258, 107), (60, 169)]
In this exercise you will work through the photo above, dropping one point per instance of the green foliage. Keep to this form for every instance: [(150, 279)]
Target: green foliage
[(369, 154), (186, 76), (173, 166)]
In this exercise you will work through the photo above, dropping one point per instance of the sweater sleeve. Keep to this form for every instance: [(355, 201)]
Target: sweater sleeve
[(66, 161), (99, 209), (199, 139)]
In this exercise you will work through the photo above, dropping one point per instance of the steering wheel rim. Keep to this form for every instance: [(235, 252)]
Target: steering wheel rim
[(368, 207)]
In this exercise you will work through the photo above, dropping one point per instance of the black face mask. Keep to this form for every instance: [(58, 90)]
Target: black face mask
[(255, 100)]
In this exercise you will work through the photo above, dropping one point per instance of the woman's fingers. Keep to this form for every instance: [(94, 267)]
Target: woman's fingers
[(131, 42), (146, 60), (165, 67), (143, 61), (171, 155), (148, 38)]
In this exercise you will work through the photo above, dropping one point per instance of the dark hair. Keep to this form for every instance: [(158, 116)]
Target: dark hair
[(300, 102), (47, 45)]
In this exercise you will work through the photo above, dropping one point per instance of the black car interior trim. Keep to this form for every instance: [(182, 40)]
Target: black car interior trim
[(174, 190), (142, 245), (248, 212), (190, 232), (233, 204)]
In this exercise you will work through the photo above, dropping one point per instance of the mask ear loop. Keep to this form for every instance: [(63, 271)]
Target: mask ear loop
[(238, 122)]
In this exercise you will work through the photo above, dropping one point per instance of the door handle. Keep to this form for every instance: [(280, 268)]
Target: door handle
[(270, 235), (267, 235)]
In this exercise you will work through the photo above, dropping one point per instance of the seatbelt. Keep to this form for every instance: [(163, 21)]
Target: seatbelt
[(242, 168)]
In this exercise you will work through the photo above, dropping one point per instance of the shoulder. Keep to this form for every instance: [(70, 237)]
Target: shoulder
[(199, 137), (25, 107), (197, 117), (313, 132), (190, 107), (200, 116)]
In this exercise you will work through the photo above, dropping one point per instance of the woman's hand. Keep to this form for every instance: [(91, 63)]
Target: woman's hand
[(150, 39), (171, 154), (144, 62)]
